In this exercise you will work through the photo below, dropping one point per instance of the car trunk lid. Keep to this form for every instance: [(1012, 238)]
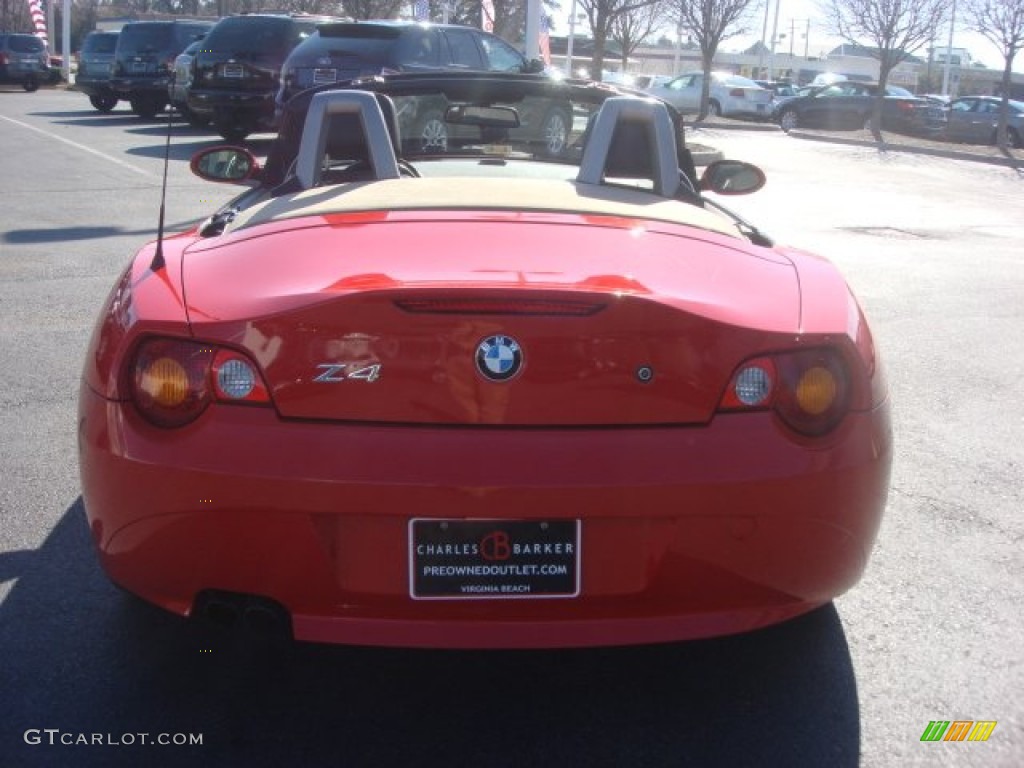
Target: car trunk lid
[(476, 319)]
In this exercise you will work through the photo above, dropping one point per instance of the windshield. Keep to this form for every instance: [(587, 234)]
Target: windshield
[(105, 43), (145, 37), (486, 120), (249, 33), (25, 44)]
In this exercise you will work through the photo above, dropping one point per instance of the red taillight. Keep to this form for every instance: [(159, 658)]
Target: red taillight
[(174, 380), (738, 93), (3, 59), (810, 389)]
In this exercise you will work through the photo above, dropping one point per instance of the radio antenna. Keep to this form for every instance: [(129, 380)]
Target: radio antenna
[(158, 262)]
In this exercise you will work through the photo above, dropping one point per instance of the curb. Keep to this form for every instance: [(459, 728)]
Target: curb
[(882, 146)]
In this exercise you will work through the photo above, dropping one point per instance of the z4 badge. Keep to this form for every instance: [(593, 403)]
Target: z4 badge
[(335, 372)]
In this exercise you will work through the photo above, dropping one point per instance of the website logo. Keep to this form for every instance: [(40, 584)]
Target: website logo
[(958, 730)]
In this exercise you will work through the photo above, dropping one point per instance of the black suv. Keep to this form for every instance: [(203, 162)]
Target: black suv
[(345, 51), (144, 60), (94, 62), (23, 60), (237, 67)]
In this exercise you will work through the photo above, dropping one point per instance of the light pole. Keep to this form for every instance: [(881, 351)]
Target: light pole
[(949, 53), (572, 35)]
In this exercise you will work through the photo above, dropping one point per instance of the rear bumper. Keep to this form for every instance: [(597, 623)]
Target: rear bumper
[(94, 86), (133, 88), (207, 102), (685, 532)]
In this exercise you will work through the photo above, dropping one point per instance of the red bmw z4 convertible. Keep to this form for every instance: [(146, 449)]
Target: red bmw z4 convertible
[(439, 379)]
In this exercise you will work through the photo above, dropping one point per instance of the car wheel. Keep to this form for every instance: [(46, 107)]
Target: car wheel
[(555, 130), (30, 84), (789, 120), (232, 126), (103, 103), (865, 122), (1013, 138), (146, 108), (431, 132), (714, 108)]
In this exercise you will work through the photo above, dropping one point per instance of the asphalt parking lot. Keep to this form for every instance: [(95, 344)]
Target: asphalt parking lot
[(934, 248)]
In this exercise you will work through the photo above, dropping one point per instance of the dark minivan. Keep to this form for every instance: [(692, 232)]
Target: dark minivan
[(237, 69), (144, 60), (94, 63), (23, 60)]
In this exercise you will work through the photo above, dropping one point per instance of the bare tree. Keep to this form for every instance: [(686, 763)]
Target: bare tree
[(710, 22), (373, 9), (1002, 22), (601, 15), (630, 30), (897, 28)]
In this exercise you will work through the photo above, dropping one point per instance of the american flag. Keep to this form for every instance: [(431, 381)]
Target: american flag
[(545, 38), (421, 10)]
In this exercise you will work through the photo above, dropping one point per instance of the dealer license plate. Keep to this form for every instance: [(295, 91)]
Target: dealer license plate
[(324, 76), (493, 559)]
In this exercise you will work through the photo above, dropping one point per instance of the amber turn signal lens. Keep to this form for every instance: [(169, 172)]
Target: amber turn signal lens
[(816, 391), (165, 381)]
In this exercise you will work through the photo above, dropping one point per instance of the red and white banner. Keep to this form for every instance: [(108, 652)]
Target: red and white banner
[(487, 15), (35, 8)]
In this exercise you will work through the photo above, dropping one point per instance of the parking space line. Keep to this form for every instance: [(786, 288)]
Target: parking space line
[(76, 145)]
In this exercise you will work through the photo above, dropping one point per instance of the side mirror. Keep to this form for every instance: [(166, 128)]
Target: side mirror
[(225, 165), (534, 67), (732, 177)]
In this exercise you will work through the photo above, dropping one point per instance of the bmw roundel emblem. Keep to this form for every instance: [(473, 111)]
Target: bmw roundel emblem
[(499, 358)]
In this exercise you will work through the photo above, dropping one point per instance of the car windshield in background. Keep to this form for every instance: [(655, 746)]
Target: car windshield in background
[(250, 34), (25, 44), (100, 43), (145, 37), (895, 90)]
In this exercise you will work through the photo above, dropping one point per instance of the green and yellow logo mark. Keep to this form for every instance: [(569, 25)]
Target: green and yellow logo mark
[(958, 730)]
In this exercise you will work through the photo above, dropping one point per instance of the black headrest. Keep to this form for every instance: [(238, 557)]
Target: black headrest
[(629, 156), (346, 139)]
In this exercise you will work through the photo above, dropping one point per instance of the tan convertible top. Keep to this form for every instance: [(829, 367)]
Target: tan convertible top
[(482, 194)]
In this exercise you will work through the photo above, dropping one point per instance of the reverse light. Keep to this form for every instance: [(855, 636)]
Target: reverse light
[(236, 379), (754, 382), (174, 380), (810, 389)]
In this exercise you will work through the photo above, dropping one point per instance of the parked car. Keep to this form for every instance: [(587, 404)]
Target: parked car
[(181, 84), (849, 105), (975, 119), (94, 64), (644, 81), (144, 60), (237, 69), (730, 95), (23, 60), (482, 397), (346, 50), (779, 101), (778, 88)]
